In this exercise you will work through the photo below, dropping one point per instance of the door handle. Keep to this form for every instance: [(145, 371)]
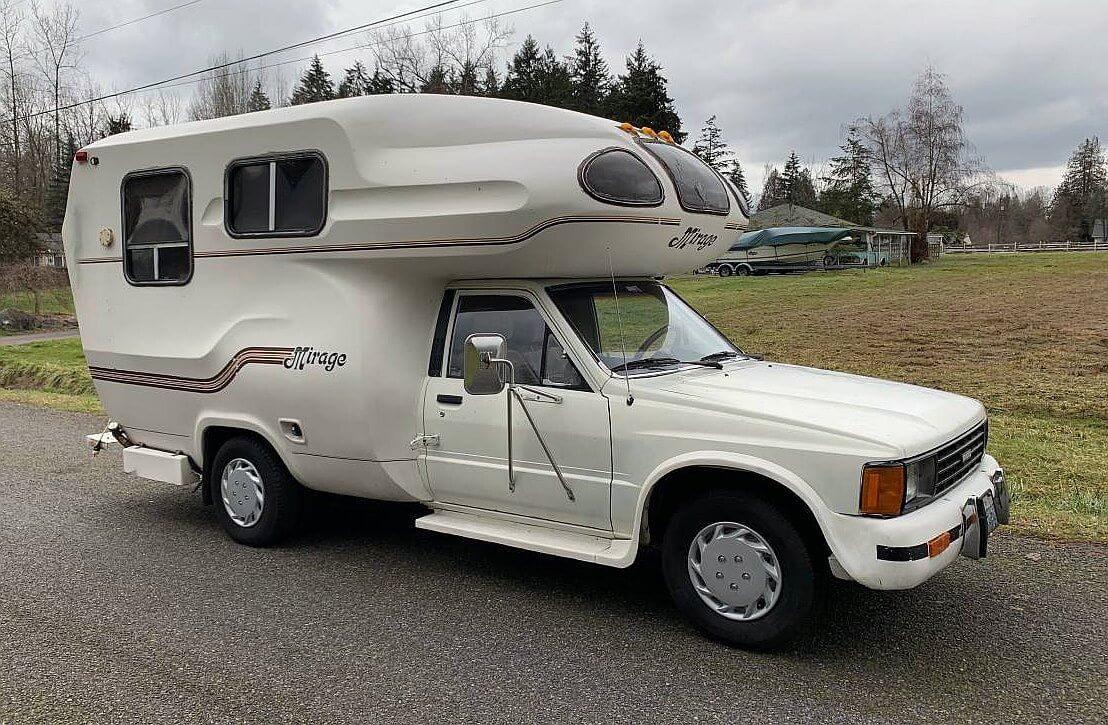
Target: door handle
[(449, 399)]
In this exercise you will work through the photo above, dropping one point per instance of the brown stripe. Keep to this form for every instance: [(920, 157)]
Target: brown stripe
[(429, 243), (733, 226), (219, 381)]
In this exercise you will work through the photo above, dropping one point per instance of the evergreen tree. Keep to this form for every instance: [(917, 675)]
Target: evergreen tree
[(738, 178), (491, 86), (712, 148), (521, 82), (772, 193), (538, 77), (57, 190), (315, 85), (589, 73), (380, 84), (850, 193), (1082, 197), (258, 100), (795, 183), (117, 124), (355, 82), (439, 80), (640, 96)]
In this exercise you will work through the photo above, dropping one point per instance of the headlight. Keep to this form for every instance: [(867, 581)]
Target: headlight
[(887, 488)]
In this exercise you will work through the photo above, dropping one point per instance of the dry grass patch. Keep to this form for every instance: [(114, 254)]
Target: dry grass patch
[(1025, 334)]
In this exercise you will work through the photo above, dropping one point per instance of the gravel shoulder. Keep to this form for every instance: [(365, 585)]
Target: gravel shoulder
[(122, 601)]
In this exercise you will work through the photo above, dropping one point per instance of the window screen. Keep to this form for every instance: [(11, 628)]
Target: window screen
[(620, 177), (157, 238), (699, 188), (277, 196)]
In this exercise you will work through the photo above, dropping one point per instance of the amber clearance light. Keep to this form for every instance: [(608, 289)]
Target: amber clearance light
[(883, 490)]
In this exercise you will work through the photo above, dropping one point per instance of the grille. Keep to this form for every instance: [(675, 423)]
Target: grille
[(957, 459)]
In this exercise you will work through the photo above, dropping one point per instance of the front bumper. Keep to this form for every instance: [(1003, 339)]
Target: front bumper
[(903, 552)]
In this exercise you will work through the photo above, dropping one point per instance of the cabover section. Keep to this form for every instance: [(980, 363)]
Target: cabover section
[(317, 335)]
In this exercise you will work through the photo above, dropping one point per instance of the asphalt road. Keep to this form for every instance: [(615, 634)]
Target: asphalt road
[(122, 601), (24, 337)]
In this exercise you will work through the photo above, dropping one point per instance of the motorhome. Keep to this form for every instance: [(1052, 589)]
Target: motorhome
[(460, 302)]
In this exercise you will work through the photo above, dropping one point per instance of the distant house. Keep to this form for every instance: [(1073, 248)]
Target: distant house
[(1100, 230), (51, 252), (889, 244)]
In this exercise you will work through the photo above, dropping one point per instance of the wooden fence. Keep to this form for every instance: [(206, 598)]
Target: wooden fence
[(1094, 246)]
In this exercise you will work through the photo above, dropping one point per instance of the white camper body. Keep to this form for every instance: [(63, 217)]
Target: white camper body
[(309, 279)]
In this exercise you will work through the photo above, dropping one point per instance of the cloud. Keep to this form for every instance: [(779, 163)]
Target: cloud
[(779, 76)]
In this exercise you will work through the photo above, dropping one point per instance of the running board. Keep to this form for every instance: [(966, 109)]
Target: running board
[(572, 545)]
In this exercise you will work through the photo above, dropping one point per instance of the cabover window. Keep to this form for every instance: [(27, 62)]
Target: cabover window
[(619, 177), (157, 234), (276, 196), (699, 188)]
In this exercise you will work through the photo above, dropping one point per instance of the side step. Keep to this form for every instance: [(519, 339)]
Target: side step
[(572, 545)]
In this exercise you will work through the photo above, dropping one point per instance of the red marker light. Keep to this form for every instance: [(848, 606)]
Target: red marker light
[(81, 156)]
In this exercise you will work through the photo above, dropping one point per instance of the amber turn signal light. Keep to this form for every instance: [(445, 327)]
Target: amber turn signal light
[(882, 490), (938, 545)]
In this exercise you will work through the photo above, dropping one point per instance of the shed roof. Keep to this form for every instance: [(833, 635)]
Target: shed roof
[(794, 215)]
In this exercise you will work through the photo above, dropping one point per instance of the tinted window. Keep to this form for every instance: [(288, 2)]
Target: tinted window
[(620, 177), (535, 352), (157, 241), (277, 197), (249, 198), (699, 188)]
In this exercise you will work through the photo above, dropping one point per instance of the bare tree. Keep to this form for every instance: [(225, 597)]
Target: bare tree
[(924, 161), (55, 31), (442, 59), (223, 92), (11, 21), (162, 108)]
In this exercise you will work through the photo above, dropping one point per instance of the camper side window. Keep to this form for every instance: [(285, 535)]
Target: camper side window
[(157, 226), (283, 196)]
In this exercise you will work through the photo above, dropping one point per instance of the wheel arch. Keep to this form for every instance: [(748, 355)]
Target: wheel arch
[(688, 476), (212, 433)]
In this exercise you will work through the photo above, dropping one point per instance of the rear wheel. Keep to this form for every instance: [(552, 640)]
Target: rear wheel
[(257, 500), (741, 571), (743, 271)]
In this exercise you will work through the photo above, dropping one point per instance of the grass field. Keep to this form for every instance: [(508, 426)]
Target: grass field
[(51, 301), (1026, 334)]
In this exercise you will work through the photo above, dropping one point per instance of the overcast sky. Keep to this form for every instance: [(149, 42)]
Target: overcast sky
[(778, 75)]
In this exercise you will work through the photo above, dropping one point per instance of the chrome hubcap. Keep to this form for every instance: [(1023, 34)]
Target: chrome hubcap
[(242, 491), (734, 571)]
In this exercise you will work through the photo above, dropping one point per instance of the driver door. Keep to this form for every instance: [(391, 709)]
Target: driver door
[(469, 464)]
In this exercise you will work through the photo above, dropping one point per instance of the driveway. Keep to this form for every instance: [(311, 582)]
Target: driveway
[(122, 601), (26, 337)]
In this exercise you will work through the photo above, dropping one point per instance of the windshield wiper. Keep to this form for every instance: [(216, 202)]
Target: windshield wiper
[(654, 362), (721, 355)]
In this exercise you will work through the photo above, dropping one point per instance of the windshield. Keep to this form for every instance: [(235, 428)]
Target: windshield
[(659, 331)]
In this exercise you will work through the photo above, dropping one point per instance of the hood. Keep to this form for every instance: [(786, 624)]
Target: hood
[(908, 417)]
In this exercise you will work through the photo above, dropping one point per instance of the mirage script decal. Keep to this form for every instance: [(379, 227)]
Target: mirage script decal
[(694, 238), (302, 357)]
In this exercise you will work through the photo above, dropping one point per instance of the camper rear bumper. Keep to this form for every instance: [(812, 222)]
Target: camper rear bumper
[(904, 551)]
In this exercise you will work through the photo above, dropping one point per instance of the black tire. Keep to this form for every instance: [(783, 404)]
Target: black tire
[(283, 498), (803, 577), (724, 271), (828, 261), (743, 271)]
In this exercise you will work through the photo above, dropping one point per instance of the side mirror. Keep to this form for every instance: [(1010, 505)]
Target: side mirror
[(482, 375)]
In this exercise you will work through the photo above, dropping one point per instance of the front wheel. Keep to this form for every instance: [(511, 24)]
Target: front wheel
[(256, 499), (741, 571), (724, 271)]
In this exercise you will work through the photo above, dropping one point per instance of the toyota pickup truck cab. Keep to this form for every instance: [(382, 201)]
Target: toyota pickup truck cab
[(461, 302)]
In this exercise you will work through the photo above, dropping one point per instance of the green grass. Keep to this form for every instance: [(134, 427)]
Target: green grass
[(58, 301), (1025, 334)]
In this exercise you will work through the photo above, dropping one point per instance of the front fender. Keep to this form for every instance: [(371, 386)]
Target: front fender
[(736, 462)]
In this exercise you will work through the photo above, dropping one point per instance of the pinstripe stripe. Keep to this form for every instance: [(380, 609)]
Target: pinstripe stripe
[(219, 381), (429, 243)]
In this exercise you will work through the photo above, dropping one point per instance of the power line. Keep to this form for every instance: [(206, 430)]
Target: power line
[(221, 66), (363, 46)]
